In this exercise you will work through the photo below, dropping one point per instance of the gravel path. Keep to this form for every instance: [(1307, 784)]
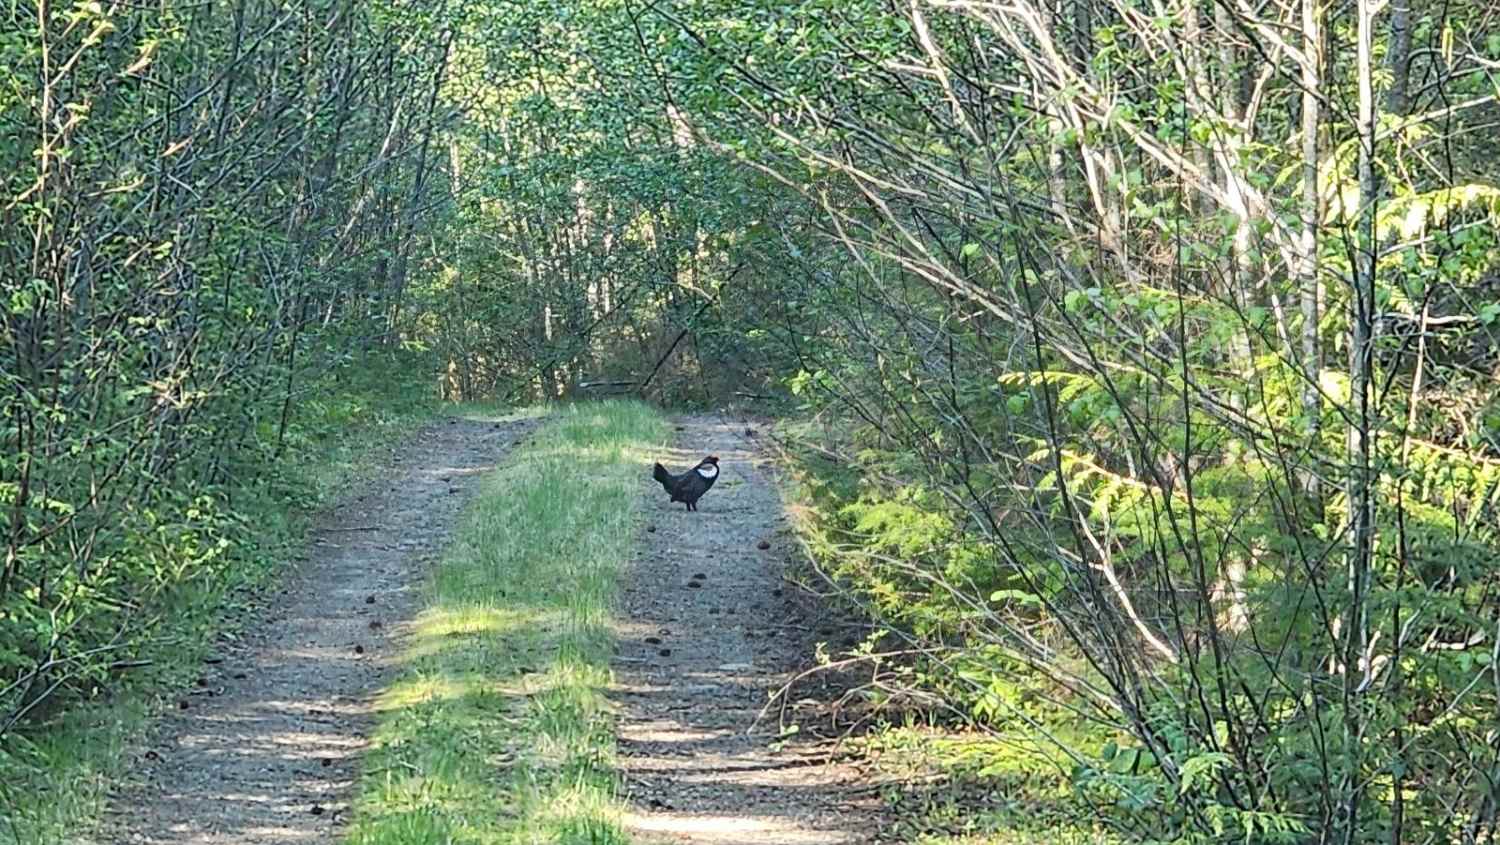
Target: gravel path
[(708, 630), (266, 747)]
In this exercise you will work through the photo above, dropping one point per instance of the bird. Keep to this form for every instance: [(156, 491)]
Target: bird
[(690, 486)]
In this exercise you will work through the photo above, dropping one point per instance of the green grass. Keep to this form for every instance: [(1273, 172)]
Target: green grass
[(973, 788), (498, 732), (947, 785), (73, 755)]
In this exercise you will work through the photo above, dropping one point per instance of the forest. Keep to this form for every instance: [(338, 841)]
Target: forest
[(1136, 362)]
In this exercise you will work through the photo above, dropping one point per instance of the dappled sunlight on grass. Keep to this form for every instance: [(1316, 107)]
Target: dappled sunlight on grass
[(421, 690), (467, 626), (469, 619), (500, 731), (583, 815)]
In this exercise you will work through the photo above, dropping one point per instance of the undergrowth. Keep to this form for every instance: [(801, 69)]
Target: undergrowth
[(979, 769), (958, 786), (204, 552), (497, 731)]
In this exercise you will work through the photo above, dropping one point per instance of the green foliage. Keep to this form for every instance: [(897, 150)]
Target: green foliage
[(174, 586), (188, 253)]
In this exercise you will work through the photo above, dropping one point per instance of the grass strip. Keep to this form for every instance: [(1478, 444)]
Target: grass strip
[(498, 731)]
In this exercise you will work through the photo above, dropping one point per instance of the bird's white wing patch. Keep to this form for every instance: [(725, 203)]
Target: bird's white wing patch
[(709, 471)]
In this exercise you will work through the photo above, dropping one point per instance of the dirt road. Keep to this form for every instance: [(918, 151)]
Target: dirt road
[(708, 630), (266, 747)]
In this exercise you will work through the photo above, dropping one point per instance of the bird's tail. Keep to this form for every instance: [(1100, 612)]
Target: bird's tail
[(660, 474)]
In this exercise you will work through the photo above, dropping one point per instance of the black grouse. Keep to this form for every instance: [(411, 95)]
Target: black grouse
[(691, 485)]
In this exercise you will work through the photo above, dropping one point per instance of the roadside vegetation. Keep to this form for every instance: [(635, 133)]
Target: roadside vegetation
[(207, 215), (499, 732), (209, 570)]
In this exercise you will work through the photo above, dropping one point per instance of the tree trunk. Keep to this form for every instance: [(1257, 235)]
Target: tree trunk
[(1309, 284), (1360, 483), (1397, 100)]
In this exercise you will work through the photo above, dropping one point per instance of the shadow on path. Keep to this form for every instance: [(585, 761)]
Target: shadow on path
[(697, 659), (265, 749)]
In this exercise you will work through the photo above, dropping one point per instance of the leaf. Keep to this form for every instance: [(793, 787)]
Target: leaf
[(1201, 767), (1018, 596)]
